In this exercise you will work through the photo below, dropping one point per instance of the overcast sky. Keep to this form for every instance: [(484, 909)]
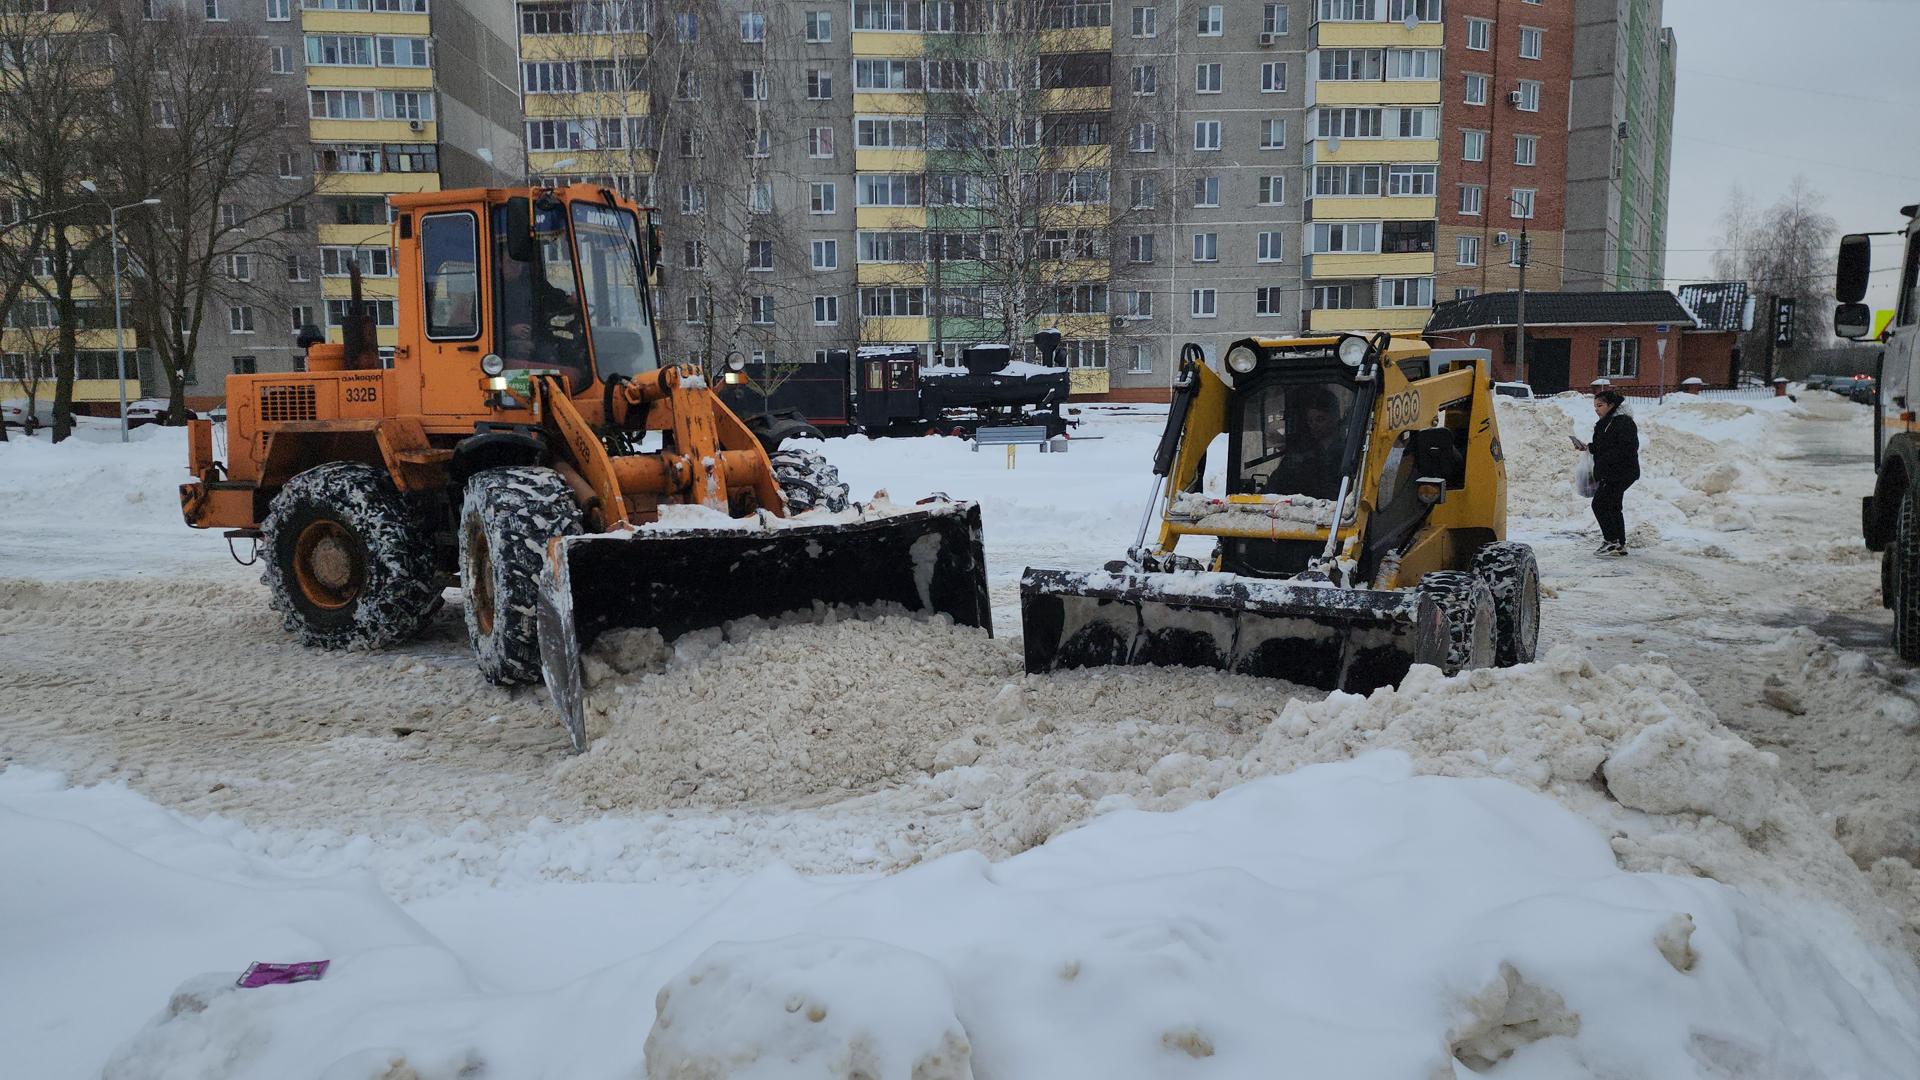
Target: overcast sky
[(1771, 88)]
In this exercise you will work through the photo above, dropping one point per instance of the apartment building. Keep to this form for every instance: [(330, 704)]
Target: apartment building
[(1620, 145), (1503, 152)]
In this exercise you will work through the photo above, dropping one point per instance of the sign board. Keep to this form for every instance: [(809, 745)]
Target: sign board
[(1783, 321), (1662, 328)]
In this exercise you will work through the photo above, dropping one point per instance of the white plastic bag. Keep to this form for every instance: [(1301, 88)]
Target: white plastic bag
[(1584, 484)]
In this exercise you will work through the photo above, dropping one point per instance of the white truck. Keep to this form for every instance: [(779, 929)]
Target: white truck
[(1890, 517)]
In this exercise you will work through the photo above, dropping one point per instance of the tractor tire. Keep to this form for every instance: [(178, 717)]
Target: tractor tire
[(809, 482), (505, 522), (349, 563), (1468, 605), (1513, 575), (1905, 551)]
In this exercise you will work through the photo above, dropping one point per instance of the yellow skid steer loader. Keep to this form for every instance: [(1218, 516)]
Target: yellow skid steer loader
[(1361, 530)]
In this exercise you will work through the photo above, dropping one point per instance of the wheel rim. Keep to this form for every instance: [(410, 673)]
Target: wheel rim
[(328, 565), (479, 583)]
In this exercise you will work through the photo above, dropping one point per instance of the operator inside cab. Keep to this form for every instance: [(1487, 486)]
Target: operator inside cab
[(1308, 425), (539, 309)]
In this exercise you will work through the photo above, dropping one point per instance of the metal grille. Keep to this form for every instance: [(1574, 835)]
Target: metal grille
[(294, 402)]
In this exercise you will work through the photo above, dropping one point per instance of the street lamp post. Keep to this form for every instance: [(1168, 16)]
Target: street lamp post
[(119, 329), (1524, 253)]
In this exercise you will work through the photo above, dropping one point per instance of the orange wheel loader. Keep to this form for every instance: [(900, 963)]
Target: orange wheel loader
[(524, 442)]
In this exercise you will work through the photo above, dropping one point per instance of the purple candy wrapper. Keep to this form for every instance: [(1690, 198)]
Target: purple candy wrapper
[(261, 974)]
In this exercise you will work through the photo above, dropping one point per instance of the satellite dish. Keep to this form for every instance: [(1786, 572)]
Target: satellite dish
[(1333, 144), (1413, 22)]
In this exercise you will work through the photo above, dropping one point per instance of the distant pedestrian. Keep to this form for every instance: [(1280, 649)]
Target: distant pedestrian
[(1616, 465)]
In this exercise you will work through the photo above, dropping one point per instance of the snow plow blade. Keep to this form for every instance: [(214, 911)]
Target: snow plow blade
[(681, 580), (1312, 634)]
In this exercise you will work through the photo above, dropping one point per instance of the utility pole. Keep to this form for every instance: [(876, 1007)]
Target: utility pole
[(1520, 300)]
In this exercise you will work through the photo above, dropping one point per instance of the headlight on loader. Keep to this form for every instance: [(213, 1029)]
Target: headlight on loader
[(1242, 359), (491, 364), (1352, 350)]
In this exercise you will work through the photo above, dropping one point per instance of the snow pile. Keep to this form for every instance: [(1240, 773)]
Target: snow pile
[(1272, 512), (1222, 937)]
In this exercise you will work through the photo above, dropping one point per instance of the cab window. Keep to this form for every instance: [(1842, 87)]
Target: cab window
[(449, 254), (1293, 439)]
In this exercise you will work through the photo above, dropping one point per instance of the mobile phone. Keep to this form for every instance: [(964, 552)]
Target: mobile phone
[(1575, 440)]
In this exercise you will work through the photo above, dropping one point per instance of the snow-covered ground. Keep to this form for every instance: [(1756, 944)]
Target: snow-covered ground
[(881, 849)]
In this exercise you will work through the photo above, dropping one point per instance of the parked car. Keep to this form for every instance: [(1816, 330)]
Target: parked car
[(1865, 390), (14, 414), (1514, 390), (149, 411)]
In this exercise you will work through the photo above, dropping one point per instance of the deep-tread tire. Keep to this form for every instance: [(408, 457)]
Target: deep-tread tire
[(349, 561), (809, 482), (506, 520), (1905, 549), (1511, 572), (1468, 606)]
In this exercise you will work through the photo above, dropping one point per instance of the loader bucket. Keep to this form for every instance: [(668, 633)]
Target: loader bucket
[(1312, 634), (677, 581)]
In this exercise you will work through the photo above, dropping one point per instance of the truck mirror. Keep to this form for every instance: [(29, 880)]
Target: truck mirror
[(519, 229), (1856, 264), (1852, 321)]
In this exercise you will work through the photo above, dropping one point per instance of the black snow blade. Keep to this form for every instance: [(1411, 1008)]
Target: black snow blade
[(1315, 635), (925, 561)]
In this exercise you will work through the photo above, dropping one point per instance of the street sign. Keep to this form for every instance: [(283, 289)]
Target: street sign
[(1783, 321), (1662, 328)]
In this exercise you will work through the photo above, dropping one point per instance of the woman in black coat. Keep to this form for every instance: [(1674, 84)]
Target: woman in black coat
[(1616, 465)]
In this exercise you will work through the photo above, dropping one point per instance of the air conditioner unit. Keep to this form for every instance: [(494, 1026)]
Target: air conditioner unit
[(1500, 238), (1267, 41), (1513, 98), (416, 125)]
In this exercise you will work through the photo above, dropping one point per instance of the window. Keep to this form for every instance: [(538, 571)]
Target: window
[(1411, 179), (1465, 292), (1406, 237), (1476, 90), (1413, 63), (240, 318), (1209, 21), (406, 105), (279, 10), (1530, 43), (1144, 192), (759, 255), (1417, 123), (819, 26), (450, 257), (339, 50), (232, 216), (1271, 247), (822, 198), (164, 114), (246, 365), (1146, 79), (1479, 34), (1271, 300), (1346, 180), (1349, 10), (887, 189), (1620, 358), (1471, 198), (342, 104), (374, 261), (1332, 297), (1529, 91), (826, 254), (280, 60), (403, 52), (1206, 78), (888, 75), (819, 142), (1522, 203), (826, 311), (753, 27), (760, 310), (759, 198), (1142, 362), (1205, 303), (1406, 292), (1524, 149), (1146, 22), (753, 85), (298, 269), (1467, 253), (1352, 65), (1206, 247), (1140, 248), (1206, 134), (239, 267), (1473, 146), (697, 309), (693, 254), (1273, 77), (693, 199), (895, 301), (1515, 249), (216, 11), (1144, 139), (302, 317), (881, 247), (1136, 304), (1273, 19), (880, 133), (759, 143), (1206, 191), (686, 27), (1273, 190), (1346, 237), (819, 84)]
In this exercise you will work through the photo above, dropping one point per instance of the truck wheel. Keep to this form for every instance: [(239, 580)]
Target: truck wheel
[(1468, 606), (1906, 571), (505, 522), (349, 563), (1512, 574), (809, 482)]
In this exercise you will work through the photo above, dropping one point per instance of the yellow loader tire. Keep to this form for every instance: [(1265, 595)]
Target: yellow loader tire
[(506, 520), (1468, 606), (1513, 575), (349, 561)]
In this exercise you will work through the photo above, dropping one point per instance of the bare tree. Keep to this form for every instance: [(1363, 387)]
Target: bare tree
[(1783, 252), (31, 365), (52, 104), (199, 129)]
